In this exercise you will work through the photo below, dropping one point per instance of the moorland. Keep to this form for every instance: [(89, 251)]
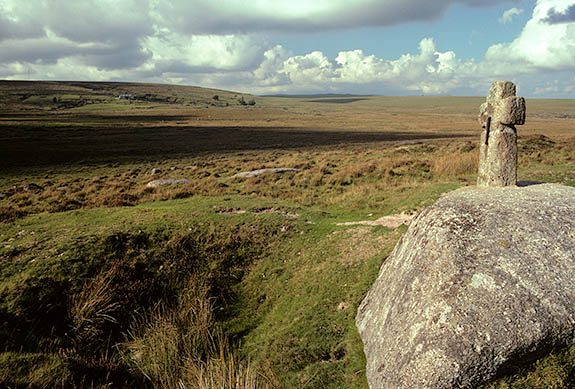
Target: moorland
[(107, 282)]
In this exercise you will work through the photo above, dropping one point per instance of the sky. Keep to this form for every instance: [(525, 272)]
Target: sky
[(381, 47)]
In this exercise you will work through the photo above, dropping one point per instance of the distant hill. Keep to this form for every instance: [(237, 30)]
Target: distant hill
[(317, 96), (57, 95)]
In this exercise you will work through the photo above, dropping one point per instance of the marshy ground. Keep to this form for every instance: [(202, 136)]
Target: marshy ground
[(105, 280)]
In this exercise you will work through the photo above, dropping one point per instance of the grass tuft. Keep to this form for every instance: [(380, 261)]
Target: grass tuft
[(182, 346), (91, 309)]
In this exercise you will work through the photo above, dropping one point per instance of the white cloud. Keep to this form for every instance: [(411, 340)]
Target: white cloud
[(429, 71), (206, 53), (508, 15), (540, 45), (548, 88), (217, 44), (240, 16)]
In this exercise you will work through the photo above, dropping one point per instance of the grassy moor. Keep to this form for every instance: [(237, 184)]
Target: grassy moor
[(218, 280)]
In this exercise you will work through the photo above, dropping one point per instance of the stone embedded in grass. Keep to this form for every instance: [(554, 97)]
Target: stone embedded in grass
[(155, 171), (32, 188), (498, 149), (259, 172), (481, 283), (391, 221), (157, 183), (229, 211)]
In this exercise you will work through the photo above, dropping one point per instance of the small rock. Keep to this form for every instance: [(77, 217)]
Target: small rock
[(155, 171), (230, 211), (342, 306), (157, 183), (259, 172), (173, 168), (408, 143), (32, 188), (392, 221)]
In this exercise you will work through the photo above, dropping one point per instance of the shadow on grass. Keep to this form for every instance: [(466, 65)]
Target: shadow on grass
[(32, 145)]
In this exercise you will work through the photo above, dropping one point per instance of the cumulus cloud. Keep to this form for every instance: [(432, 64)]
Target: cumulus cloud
[(105, 33), (222, 44), (540, 45), (508, 15), (173, 52), (428, 71), (565, 16)]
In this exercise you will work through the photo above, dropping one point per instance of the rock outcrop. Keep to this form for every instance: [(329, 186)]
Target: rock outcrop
[(481, 282)]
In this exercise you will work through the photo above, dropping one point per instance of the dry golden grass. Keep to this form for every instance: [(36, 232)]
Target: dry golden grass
[(182, 346), (328, 175), (90, 309), (456, 164)]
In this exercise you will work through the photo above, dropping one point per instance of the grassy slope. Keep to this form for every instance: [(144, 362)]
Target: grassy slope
[(288, 287)]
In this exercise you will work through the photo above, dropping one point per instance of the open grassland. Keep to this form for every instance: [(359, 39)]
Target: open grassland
[(222, 280)]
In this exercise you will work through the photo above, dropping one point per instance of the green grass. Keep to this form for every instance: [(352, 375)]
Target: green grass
[(555, 371), (268, 291), (97, 269)]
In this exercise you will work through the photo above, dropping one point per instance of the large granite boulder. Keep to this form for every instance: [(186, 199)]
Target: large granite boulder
[(481, 282)]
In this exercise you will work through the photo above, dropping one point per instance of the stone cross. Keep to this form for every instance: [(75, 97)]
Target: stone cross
[(498, 150)]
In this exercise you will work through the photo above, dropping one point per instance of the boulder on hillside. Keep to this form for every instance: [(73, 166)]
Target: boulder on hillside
[(480, 283), (259, 172), (157, 183)]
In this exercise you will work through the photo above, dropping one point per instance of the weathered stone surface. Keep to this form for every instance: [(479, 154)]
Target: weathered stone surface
[(481, 281), (500, 90), (498, 148), (510, 111), (156, 183), (255, 173)]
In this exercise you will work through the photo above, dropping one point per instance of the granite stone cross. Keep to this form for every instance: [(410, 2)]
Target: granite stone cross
[(498, 150)]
